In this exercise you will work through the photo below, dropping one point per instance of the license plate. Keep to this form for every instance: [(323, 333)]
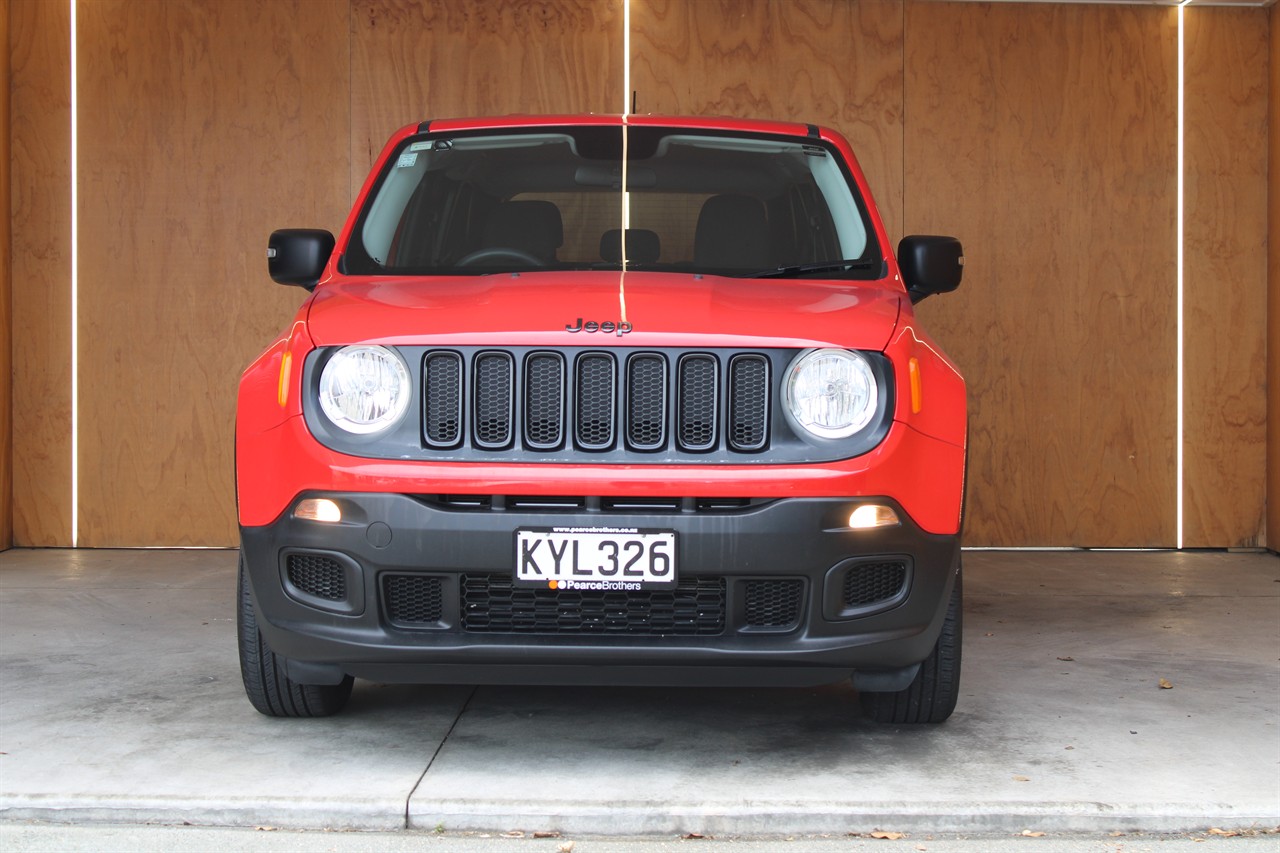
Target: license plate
[(599, 558)]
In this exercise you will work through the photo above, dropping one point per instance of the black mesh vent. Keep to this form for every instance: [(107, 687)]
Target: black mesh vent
[(871, 583), (697, 402), (544, 401), (647, 402), (493, 604), (748, 403), (773, 603), (493, 399), (442, 398), (413, 599), (318, 575), (594, 427)]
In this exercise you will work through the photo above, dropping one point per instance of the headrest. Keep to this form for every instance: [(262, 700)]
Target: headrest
[(642, 246), (733, 231)]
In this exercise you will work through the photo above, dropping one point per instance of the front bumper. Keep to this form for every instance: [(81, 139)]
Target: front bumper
[(796, 548)]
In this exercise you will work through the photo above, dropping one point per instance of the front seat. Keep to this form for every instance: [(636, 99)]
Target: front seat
[(732, 232), (529, 226)]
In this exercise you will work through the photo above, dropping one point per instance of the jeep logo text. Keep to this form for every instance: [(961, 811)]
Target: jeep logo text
[(608, 327)]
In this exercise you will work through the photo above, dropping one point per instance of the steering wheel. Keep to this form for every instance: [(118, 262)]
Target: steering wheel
[(496, 253)]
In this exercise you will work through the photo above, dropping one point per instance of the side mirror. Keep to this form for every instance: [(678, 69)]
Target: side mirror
[(930, 265), (297, 255)]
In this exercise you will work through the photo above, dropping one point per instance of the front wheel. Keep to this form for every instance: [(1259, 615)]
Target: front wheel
[(267, 685), (931, 697)]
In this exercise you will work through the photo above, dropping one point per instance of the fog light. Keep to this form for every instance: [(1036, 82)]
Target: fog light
[(868, 516), (318, 509)]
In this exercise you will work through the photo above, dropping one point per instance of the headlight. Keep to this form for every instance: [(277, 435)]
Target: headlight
[(364, 389), (831, 393)]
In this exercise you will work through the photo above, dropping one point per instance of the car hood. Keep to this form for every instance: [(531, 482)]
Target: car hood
[(644, 309)]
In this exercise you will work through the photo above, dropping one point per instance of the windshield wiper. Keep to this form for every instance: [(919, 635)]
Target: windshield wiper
[(820, 266)]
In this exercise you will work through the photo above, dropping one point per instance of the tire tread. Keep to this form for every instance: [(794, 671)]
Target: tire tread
[(266, 681), (931, 697)]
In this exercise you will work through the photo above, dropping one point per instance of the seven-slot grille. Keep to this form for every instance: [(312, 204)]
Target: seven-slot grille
[(594, 401)]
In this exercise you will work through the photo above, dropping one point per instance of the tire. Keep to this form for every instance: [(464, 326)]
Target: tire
[(931, 697), (270, 690)]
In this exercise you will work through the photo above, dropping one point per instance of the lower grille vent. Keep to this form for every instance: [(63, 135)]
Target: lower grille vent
[(872, 583), (413, 600), (318, 575), (773, 603), (576, 503), (493, 604)]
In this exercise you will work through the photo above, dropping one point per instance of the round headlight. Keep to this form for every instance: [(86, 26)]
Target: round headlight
[(364, 389), (831, 393)]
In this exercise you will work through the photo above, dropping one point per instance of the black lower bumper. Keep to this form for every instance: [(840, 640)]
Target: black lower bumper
[(410, 589)]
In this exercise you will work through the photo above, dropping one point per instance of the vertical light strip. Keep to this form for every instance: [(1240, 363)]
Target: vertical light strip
[(626, 196), (626, 57), (1181, 155), (75, 292)]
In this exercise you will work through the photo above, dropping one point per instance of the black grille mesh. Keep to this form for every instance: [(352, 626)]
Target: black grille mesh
[(442, 398), (413, 599), (698, 388), (748, 405), (595, 401), (493, 399), (646, 402), (871, 583), (493, 604), (318, 575), (544, 406), (773, 603)]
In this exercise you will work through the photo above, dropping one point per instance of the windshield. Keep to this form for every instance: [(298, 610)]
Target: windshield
[(552, 198)]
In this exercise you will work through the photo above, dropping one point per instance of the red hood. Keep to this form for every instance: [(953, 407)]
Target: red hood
[(663, 309)]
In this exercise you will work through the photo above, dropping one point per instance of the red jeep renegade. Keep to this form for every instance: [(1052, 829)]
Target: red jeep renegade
[(605, 400)]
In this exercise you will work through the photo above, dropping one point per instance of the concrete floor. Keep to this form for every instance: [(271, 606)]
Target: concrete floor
[(122, 704)]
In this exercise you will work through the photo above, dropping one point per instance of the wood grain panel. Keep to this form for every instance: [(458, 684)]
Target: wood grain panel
[(204, 125), (6, 319), (1225, 277), (1045, 138), (829, 62), (40, 205), (419, 59), (1273, 295)]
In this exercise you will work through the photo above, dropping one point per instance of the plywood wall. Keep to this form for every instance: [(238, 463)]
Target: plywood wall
[(1225, 275), (1273, 295), (418, 59), (828, 62), (6, 323), (1043, 136), (204, 125), (39, 38)]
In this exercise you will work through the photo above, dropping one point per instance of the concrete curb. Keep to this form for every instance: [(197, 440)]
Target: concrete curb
[(641, 819)]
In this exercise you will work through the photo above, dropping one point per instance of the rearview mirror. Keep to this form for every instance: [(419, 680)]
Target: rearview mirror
[(930, 265), (298, 256)]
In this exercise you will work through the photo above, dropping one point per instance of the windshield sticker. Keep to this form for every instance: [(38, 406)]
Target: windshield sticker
[(407, 159), (420, 146)]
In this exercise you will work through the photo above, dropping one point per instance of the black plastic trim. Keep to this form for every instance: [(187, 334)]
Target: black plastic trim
[(792, 538), (786, 444)]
